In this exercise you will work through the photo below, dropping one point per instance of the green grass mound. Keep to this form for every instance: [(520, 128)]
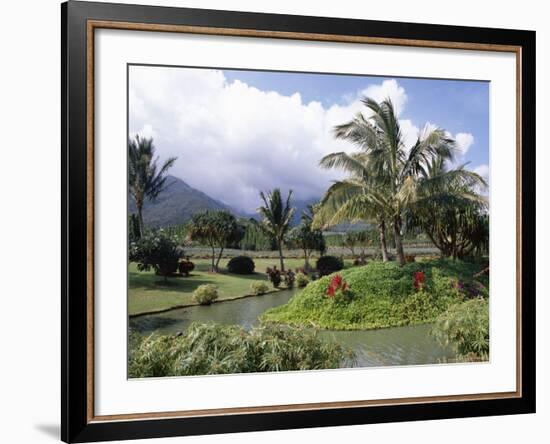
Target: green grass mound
[(206, 349), (383, 295)]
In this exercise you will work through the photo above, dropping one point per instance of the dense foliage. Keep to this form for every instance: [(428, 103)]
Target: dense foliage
[(185, 267), (274, 275), (307, 238), (450, 212), (383, 294), (328, 264), (207, 349), (241, 265), (302, 279), (259, 288), (158, 251), (255, 239), (465, 326), (216, 229), (205, 294)]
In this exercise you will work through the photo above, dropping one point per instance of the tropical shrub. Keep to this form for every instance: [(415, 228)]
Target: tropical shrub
[(302, 279), (185, 267), (241, 265), (205, 294), (329, 264), (383, 295), (465, 326), (338, 289), (289, 278), (158, 251), (307, 238), (274, 276), (219, 349), (259, 288)]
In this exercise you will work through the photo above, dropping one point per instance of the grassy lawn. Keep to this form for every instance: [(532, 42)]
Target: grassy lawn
[(148, 292)]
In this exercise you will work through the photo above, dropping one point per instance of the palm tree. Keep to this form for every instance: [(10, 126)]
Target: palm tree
[(389, 175), (145, 179), (276, 218), (357, 198)]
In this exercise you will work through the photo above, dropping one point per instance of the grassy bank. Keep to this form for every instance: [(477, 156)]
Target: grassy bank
[(148, 292), (382, 295)]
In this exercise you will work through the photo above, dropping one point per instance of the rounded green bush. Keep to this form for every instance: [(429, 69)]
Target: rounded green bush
[(205, 294), (259, 288), (302, 279), (241, 265), (329, 264)]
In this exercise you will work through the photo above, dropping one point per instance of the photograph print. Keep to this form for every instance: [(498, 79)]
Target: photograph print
[(290, 221)]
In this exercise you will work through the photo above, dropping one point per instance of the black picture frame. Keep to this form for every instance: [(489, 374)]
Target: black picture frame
[(76, 424)]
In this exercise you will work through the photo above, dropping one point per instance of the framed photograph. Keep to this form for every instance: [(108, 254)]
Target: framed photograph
[(275, 221)]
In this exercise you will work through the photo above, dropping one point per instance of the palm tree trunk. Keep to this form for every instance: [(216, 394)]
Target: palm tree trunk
[(139, 206), (398, 240), (306, 260), (383, 245), (280, 245)]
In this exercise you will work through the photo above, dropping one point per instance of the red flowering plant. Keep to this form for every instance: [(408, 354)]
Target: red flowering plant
[(419, 280), (338, 289)]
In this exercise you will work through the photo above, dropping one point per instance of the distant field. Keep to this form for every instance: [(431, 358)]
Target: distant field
[(415, 249)]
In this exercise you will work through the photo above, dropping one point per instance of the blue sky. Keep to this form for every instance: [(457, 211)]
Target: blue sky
[(236, 133), (458, 106)]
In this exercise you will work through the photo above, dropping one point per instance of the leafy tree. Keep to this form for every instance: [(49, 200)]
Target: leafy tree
[(276, 218), (386, 177), (158, 251), (145, 179), (216, 229), (307, 238), (450, 211)]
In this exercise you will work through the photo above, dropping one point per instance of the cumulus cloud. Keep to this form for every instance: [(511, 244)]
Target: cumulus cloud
[(483, 171), (232, 139)]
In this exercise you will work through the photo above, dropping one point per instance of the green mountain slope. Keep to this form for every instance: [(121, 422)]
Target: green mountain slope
[(176, 204)]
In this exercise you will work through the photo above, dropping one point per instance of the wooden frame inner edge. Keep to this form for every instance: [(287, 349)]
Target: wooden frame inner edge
[(95, 24)]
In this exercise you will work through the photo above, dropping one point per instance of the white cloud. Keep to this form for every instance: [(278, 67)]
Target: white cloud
[(463, 142), (232, 139), (483, 171), (388, 89)]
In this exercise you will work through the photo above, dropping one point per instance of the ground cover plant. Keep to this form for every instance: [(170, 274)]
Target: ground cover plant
[(379, 295)]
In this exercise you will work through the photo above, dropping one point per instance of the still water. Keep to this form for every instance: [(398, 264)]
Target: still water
[(410, 345)]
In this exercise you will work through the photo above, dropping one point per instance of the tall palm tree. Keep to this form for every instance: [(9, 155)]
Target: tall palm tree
[(357, 198), (276, 218), (145, 179), (388, 172)]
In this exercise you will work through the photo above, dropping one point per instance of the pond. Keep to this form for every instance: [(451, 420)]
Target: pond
[(410, 345)]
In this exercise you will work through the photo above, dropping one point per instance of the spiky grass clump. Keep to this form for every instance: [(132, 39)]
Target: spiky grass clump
[(207, 349), (465, 327)]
